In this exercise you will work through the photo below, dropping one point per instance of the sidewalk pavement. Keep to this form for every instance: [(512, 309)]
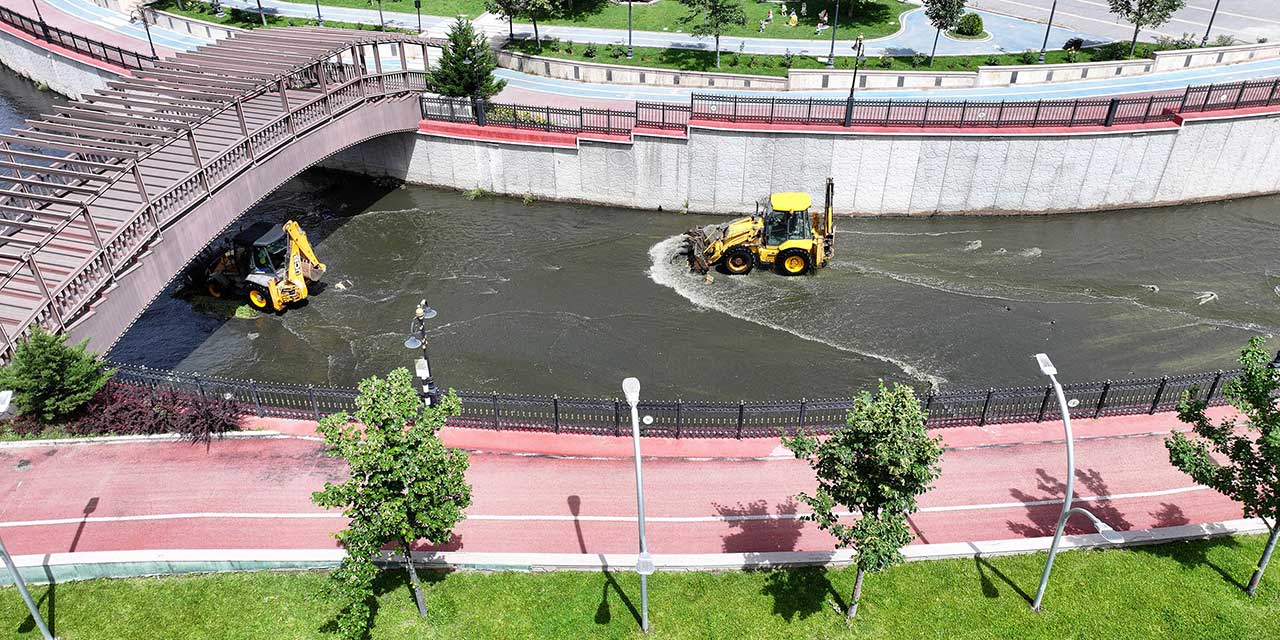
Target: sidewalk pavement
[(1009, 34)]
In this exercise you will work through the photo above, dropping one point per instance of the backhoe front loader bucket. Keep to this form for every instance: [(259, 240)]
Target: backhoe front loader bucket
[(695, 249)]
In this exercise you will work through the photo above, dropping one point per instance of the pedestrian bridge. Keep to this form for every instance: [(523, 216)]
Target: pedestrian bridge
[(104, 201)]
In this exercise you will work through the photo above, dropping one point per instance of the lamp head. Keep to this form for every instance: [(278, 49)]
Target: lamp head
[(424, 310), (413, 342), (1046, 365), (1110, 535), (631, 389)]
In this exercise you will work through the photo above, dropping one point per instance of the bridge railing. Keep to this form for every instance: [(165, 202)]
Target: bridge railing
[(80, 44), (701, 418), (1082, 112), (59, 306)]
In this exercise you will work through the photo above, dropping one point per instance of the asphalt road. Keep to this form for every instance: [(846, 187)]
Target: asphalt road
[(256, 494)]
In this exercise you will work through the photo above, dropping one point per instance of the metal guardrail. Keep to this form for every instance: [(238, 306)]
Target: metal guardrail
[(1082, 112), (705, 419), (80, 44)]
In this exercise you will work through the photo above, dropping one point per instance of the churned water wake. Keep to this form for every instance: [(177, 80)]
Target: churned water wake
[(742, 297)]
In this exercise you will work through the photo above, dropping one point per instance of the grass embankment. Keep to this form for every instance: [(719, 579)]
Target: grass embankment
[(771, 65), (1185, 590), (250, 19)]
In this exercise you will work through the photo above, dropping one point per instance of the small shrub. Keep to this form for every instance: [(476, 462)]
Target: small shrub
[(1262, 39), (476, 193), (1073, 43), (1073, 55), (752, 61), (51, 380), (788, 59), (992, 61), (919, 60), (1223, 40), (1028, 57), (970, 25), (528, 199), (130, 410), (205, 418), (568, 46), (590, 50), (885, 61), (23, 427), (552, 43), (1185, 41)]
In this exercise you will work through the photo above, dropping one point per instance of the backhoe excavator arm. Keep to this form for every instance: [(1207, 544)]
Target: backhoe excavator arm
[(299, 245)]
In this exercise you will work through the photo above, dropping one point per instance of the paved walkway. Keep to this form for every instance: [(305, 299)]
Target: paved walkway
[(1009, 34), (1246, 20), (997, 483)]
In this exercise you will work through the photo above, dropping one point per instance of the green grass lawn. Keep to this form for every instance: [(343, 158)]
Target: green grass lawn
[(1185, 590), (688, 60), (470, 8), (247, 19)]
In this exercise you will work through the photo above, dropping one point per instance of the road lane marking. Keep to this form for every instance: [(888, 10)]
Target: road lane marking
[(573, 518)]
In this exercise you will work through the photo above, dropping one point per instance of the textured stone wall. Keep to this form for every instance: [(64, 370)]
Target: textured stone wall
[(890, 174), (61, 74)]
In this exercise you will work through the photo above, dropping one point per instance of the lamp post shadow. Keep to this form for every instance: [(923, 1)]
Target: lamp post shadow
[(603, 613)]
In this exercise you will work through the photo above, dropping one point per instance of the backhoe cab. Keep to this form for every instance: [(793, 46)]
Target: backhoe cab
[(783, 234), (270, 264)]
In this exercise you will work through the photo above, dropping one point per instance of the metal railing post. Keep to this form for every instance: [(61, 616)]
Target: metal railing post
[(800, 422), (555, 408), (982, 420), (199, 385), (1102, 399), (496, 423), (257, 400), (679, 417), (1111, 112), (1159, 393), (315, 406), (1214, 387), (617, 417), (1044, 404), (742, 410)]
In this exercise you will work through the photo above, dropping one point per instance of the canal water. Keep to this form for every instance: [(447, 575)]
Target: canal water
[(560, 298)]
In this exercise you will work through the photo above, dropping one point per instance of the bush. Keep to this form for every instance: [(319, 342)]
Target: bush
[(1075, 44), (788, 59), (992, 61), (885, 61), (1185, 41), (51, 380), (1073, 55), (919, 60), (970, 25), (568, 46), (1223, 40), (130, 410), (617, 52), (1028, 57), (590, 50), (22, 426)]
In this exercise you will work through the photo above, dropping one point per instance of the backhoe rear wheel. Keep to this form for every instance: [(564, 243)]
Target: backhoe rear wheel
[(259, 299), (738, 262), (793, 262), (214, 288)]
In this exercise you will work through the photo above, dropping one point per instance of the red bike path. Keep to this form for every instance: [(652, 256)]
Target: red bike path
[(547, 493)]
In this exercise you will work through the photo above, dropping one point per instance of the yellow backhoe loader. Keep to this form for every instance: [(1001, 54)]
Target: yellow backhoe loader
[(782, 234), (271, 264)]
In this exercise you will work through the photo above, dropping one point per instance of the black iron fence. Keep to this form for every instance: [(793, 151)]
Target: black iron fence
[(1082, 112), (706, 419), (80, 44)]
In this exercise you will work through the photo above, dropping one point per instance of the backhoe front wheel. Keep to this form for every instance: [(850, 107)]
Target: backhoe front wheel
[(738, 262), (259, 300), (793, 262)]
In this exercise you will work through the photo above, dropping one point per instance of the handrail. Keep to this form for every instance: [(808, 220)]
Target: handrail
[(707, 419), (42, 30)]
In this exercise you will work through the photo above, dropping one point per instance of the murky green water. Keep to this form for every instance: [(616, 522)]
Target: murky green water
[(569, 299)]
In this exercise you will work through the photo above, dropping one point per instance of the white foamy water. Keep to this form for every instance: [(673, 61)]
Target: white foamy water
[(742, 297)]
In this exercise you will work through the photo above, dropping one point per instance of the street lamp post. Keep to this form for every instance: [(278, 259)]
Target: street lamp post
[(262, 14), (141, 14), (418, 339), (644, 563), (859, 55), (1213, 15), (382, 24), (629, 50), (1047, 28), (1108, 534), (26, 597), (417, 8), (835, 20), (319, 20)]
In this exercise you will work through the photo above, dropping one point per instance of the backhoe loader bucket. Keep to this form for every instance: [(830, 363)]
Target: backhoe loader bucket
[(695, 249)]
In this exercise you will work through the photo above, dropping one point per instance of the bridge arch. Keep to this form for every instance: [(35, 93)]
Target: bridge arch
[(109, 198)]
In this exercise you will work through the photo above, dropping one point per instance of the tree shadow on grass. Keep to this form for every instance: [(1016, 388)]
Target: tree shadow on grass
[(393, 576), (1192, 553)]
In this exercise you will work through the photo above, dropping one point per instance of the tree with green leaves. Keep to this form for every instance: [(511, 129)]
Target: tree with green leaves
[(944, 15), (712, 17), (509, 9), (466, 65), (1250, 471), (51, 379), (404, 485), (875, 467), (1144, 13), (539, 9)]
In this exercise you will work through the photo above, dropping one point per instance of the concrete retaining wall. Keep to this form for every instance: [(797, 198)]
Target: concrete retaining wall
[(64, 74), (197, 28), (878, 173), (871, 78)]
